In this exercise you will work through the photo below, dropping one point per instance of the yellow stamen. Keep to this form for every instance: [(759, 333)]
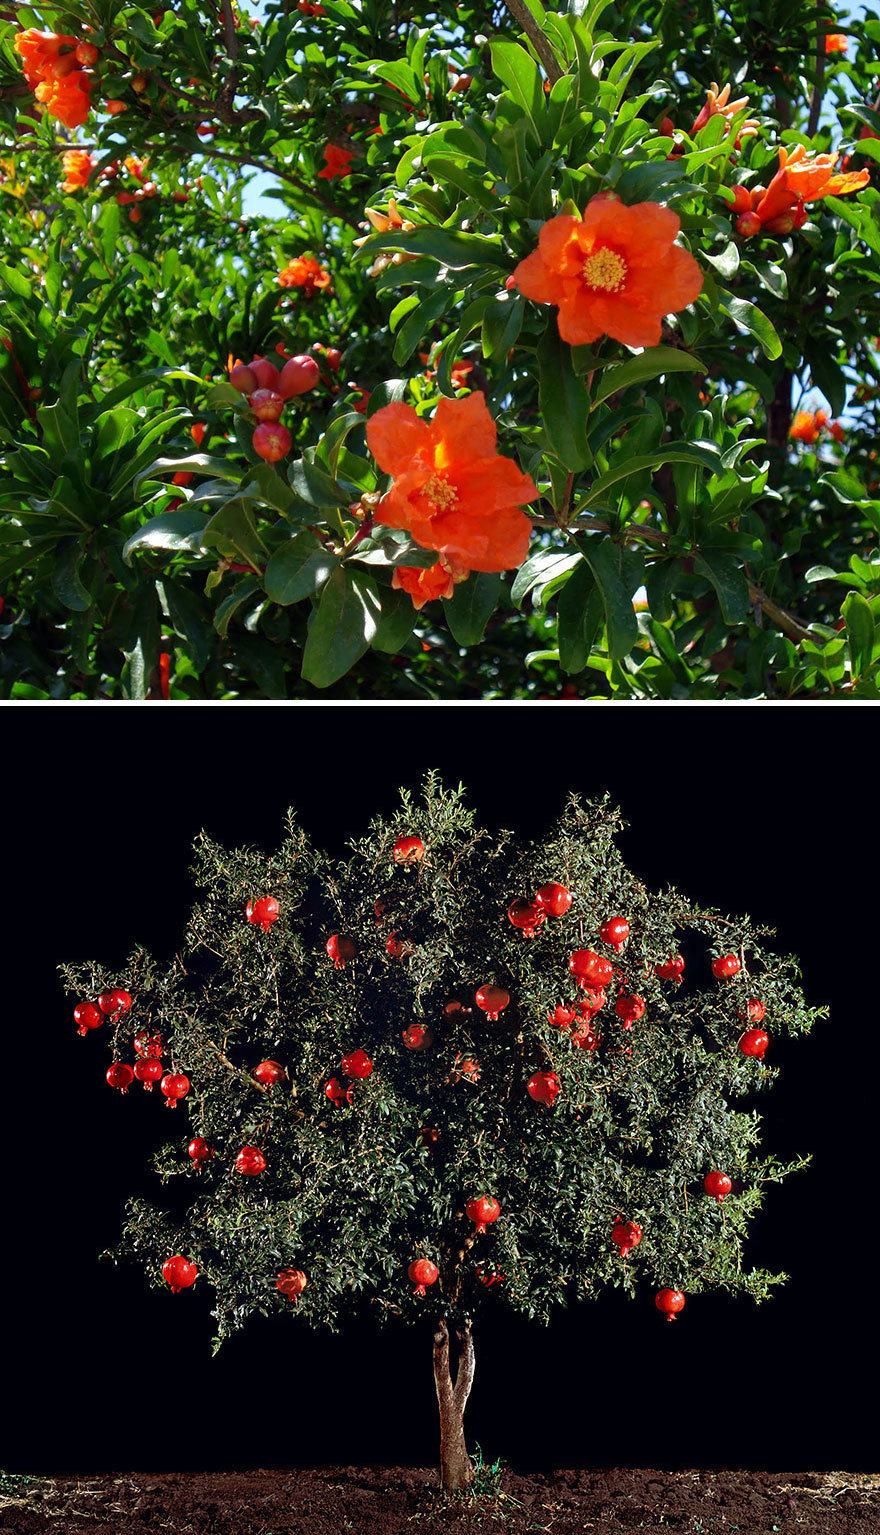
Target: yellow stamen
[(605, 269), (440, 493)]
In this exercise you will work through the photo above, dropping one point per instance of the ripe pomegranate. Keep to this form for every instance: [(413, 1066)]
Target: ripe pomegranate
[(269, 1072), (86, 1016), (466, 1066), (149, 1070), (418, 1037), (555, 899), (753, 1012), (492, 1000), (357, 1065), (408, 850), (173, 1086), (725, 966), (114, 1003), (718, 1184), (670, 1302), (482, 1212), (614, 932), (298, 376), (423, 1272), (626, 1235), (272, 441), (179, 1273), (543, 1086), (291, 1283), (397, 947), (526, 915), (591, 1000), (754, 1042), (263, 913), (340, 949), (561, 1017), (590, 969), (584, 1037), (119, 1075), (671, 969), (337, 1093), (629, 1010), (146, 1043), (199, 1150), (250, 1161)]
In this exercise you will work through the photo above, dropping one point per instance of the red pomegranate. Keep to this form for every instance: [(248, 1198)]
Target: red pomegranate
[(555, 899), (423, 1272), (119, 1075), (266, 404), (263, 912), (386, 905), (543, 1086), (670, 1302), (418, 1037), (488, 1279), (291, 1283), (357, 1065), (492, 1000), (590, 969), (337, 1093), (626, 1235), (148, 1070), (86, 1016), (592, 999), (671, 969), (429, 1137), (398, 947), (614, 932), (269, 1072), (753, 1012), (408, 850), (173, 1086), (754, 1042), (718, 1184), (199, 1150), (482, 1212), (561, 1017), (526, 915), (265, 373), (725, 966), (114, 1003), (466, 1066), (629, 1010), (340, 949), (179, 1273), (250, 1161), (584, 1036), (146, 1043)]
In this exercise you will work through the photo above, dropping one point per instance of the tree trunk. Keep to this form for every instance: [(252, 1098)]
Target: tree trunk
[(456, 1471)]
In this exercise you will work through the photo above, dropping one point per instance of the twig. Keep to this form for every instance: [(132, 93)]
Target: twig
[(523, 15), (819, 87)]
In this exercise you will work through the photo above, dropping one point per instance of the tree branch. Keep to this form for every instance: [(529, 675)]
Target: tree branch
[(523, 15), (819, 87), (464, 1378)]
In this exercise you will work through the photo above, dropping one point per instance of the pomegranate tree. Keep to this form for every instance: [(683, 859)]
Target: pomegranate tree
[(480, 1121)]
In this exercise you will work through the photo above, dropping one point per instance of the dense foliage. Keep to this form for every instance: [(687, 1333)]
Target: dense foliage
[(694, 523), (359, 1185)]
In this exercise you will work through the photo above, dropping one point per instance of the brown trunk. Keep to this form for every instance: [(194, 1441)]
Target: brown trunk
[(456, 1471)]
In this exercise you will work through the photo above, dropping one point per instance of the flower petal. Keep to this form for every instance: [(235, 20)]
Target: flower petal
[(395, 435), (462, 429)]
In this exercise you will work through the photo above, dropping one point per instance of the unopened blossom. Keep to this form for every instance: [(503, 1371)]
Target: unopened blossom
[(77, 165)]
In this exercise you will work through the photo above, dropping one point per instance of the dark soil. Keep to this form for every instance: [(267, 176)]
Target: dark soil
[(375, 1500)]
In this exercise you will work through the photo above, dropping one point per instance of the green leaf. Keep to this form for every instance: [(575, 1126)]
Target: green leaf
[(859, 619), (273, 490), (314, 485), (538, 570), (444, 245), (729, 580), (298, 569), (66, 583), (396, 619), (429, 308), (469, 608), (652, 363), (502, 323), (562, 400), (523, 79), (747, 317), (619, 572), (703, 453), (240, 593), (579, 615), (185, 611), (233, 532), (173, 530), (343, 627), (17, 282)]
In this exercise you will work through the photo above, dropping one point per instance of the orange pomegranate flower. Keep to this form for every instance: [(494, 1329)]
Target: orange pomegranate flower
[(616, 272), (836, 42), (803, 178), (67, 98), (427, 585), (306, 273), (41, 54), (336, 162), (717, 104), (77, 165), (805, 427), (452, 491)]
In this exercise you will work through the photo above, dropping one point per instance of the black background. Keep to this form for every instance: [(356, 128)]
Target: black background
[(767, 810)]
